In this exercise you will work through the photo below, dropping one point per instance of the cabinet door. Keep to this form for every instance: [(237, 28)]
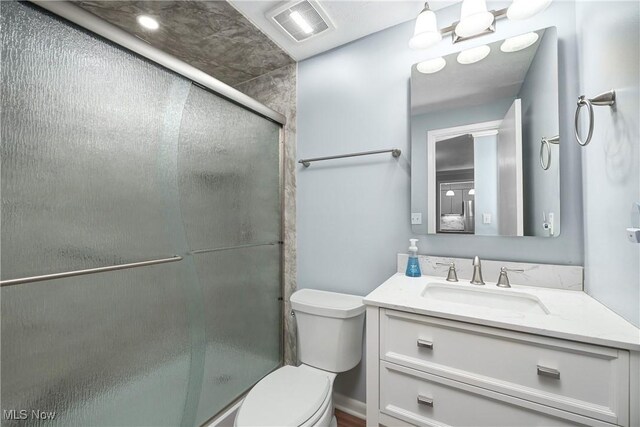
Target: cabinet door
[(589, 380), (423, 399)]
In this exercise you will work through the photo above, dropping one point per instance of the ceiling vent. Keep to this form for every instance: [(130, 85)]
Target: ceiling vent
[(301, 20)]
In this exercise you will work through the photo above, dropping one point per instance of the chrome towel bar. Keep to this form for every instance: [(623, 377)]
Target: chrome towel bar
[(607, 98), (544, 142), (395, 152), (53, 276)]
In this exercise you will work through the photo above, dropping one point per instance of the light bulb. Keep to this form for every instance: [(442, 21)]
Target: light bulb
[(426, 32), (301, 22), (431, 66), (523, 9), (474, 18), (148, 22), (523, 41), (474, 54)]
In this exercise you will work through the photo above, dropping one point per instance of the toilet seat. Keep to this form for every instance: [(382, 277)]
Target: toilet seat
[(289, 396)]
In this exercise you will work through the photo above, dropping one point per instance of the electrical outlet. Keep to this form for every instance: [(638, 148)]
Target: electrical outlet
[(486, 218), (416, 218)]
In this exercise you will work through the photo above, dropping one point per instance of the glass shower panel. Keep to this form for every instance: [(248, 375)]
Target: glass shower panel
[(229, 174), (109, 349), (241, 288), (81, 124), (108, 159)]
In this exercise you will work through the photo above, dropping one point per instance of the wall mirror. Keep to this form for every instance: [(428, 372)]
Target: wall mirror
[(485, 140)]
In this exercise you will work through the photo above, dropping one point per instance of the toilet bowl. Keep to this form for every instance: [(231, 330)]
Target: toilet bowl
[(330, 327)]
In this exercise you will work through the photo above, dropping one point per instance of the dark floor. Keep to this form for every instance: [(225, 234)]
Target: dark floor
[(346, 420)]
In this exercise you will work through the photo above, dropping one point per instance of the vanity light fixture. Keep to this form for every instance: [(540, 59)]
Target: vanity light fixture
[(147, 22), (474, 18), (523, 9), (431, 66), (523, 41), (426, 32), (473, 55), (450, 193), (475, 21)]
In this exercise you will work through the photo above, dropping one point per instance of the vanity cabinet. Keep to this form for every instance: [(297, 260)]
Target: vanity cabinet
[(428, 371)]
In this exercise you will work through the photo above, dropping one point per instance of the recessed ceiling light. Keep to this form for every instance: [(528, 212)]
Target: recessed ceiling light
[(474, 54), (514, 44), (431, 66), (148, 22), (302, 23)]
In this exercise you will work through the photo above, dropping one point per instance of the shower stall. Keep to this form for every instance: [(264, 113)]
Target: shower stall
[(141, 232)]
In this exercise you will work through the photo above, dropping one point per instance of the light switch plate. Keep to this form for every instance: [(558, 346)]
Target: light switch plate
[(416, 218), (486, 218)]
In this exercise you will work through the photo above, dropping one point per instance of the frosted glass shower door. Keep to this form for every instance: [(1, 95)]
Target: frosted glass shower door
[(84, 128), (107, 159), (230, 202)]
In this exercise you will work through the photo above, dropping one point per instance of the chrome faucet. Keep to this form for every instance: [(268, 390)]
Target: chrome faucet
[(476, 279), (452, 276), (503, 279)]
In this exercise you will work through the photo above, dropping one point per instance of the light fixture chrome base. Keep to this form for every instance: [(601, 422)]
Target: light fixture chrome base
[(457, 39), (490, 29)]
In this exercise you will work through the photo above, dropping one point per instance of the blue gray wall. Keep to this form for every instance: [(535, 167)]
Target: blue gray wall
[(486, 183), (540, 118), (353, 215), (609, 59)]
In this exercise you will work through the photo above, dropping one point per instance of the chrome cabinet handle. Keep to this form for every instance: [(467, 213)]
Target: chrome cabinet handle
[(425, 344), (548, 372), (424, 400)]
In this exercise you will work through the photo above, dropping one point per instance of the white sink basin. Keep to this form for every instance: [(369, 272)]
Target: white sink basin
[(496, 299)]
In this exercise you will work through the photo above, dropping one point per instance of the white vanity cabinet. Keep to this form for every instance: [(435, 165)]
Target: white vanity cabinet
[(429, 371)]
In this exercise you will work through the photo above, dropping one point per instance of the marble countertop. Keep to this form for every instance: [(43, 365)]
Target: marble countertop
[(573, 315)]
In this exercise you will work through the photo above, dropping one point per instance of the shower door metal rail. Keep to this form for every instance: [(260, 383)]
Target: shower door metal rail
[(52, 276)]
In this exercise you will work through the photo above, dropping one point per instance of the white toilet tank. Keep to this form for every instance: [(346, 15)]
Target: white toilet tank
[(330, 328)]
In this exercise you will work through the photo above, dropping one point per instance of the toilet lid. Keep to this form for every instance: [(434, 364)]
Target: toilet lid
[(288, 396)]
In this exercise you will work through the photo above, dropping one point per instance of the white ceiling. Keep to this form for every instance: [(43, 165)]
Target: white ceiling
[(353, 19)]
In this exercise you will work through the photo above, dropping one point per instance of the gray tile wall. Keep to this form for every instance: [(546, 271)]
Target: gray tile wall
[(209, 35)]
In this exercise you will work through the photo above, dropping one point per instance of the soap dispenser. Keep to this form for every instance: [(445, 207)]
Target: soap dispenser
[(413, 266)]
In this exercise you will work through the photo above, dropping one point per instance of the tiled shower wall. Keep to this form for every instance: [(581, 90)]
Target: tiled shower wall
[(277, 90)]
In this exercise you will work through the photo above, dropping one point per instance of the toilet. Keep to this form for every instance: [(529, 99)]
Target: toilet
[(330, 327)]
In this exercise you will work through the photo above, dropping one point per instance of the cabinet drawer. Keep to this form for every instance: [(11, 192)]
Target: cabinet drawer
[(424, 399), (588, 380)]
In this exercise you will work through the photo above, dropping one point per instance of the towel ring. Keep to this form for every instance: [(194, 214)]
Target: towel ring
[(544, 142), (607, 98)]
